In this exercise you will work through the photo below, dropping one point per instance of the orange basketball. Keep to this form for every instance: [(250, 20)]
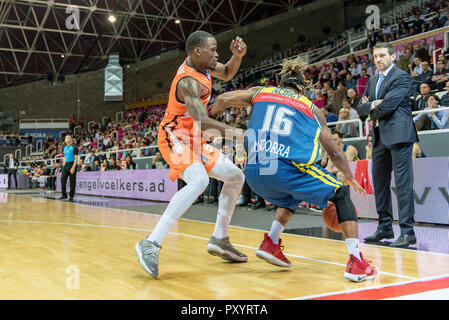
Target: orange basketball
[(330, 218)]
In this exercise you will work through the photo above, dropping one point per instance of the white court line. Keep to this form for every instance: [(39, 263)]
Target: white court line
[(190, 236)]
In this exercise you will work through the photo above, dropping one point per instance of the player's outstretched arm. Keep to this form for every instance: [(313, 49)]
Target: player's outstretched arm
[(237, 99), (227, 71), (189, 91), (336, 155)]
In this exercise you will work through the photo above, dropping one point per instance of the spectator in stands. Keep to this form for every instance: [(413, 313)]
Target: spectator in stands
[(233, 122), (417, 24), (263, 79), (348, 130), (319, 100), (96, 165), (355, 69), (427, 73), (446, 20), (421, 102), (330, 116), (90, 158), (404, 61), (444, 101), (130, 164), (334, 79), (114, 165), (432, 25), (244, 117), (104, 165), (337, 98), (350, 152), (353, 114), (350, 82), (51, 179), (434, 120), (440, 77), (159, 162), (354, 99), (424, 77), (416, 68), (344, 71), (402, 24), (369, 147)]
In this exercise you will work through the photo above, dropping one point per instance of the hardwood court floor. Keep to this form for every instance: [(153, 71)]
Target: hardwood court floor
[(45, 244)]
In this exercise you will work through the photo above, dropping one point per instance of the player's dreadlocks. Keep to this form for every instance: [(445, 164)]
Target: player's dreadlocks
[(292, 74)]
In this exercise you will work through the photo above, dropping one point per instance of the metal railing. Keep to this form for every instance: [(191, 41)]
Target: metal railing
[(414, 113), (107, 153), (358, 127)]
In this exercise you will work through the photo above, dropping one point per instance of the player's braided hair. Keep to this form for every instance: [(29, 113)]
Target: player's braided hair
[(292, 74)]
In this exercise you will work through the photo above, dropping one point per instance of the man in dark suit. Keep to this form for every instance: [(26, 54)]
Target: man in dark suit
[(387, 101), (12, 170)]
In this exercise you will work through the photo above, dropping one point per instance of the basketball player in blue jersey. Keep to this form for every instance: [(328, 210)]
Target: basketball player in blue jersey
[(283, 142)]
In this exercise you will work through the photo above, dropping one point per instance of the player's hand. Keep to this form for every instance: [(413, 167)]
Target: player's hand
[(238, 47), (365, 99), (214, 110), (377, 102), (72, 170), (357, 187)]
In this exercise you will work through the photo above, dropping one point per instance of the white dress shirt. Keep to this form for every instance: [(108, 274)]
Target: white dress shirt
[(385, 73)]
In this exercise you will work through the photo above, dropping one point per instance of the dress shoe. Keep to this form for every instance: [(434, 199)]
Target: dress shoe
[(379, 235), (214, 200), (258, 205), (63, 198), (404, 240)]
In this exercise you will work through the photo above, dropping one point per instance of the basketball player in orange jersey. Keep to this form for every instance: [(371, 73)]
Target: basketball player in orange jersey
[(189, 157)]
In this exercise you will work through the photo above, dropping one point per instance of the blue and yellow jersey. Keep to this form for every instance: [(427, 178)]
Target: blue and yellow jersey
[(282, 126)]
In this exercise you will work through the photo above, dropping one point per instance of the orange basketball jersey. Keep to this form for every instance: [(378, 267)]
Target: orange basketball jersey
[(177, 142), (177, 109)]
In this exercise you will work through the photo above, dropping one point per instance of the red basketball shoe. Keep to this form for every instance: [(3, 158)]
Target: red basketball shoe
[(358, 271), (272, 253)]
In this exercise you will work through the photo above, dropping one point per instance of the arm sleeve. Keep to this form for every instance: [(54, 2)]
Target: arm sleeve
[(441, 123), (400, 89)]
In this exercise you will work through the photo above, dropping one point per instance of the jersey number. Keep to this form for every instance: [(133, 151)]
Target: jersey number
[(281, 124)]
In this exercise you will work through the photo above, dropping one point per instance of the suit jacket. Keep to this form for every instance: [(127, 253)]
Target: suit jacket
[(16, 164), (394, 113)]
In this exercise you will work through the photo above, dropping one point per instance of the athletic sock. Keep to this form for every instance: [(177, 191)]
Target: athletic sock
[(353, 247), (275, 231), (161, 230)]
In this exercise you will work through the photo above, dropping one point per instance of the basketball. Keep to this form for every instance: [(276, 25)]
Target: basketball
[(330, 218)]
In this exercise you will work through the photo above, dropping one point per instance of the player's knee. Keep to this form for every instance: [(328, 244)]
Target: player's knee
[(345, 207), (240, 176), (202, 181)]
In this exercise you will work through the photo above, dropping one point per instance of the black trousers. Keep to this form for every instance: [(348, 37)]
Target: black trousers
[(12, 172), (399, 160), (215, 187), (66, 174)]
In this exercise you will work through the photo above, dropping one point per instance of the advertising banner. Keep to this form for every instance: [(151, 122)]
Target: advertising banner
[(22, 180), (135, 184), (42, 134), (431, 191)]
